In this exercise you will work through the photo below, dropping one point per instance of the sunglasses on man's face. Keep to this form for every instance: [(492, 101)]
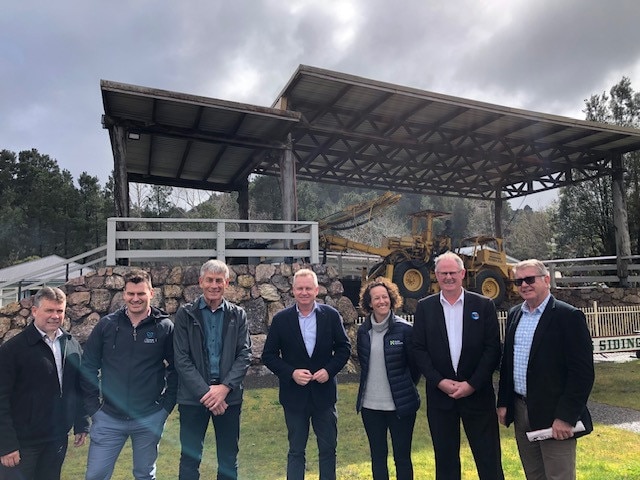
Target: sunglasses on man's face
[(528, 280)]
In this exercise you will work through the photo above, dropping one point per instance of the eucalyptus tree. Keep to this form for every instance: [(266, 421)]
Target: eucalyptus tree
[(584, 220)]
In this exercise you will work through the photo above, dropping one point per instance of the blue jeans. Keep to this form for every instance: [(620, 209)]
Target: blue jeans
[(194, 421), (109, 434), (377, 424), (38, 462), (325, 426)]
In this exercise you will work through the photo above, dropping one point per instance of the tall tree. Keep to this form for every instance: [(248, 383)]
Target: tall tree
[(584, 221), (529, 234), (42, 212), (93, 212), (12, 236)]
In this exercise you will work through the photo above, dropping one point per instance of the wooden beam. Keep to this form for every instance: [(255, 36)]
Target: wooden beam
[(498, 215), (243, 205), (118, 137), (620, 220), (288, 183)]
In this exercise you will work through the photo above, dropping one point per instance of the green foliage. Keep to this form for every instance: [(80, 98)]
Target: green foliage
[(584, 220), (527, 236), (42, 212), (58, 216)]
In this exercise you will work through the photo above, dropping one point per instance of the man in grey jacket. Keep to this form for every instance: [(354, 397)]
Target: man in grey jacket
[(212, 351)]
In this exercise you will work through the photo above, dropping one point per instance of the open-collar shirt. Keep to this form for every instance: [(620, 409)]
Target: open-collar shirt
[(308, 328), (522, 344), (453, 313), (56, 347)]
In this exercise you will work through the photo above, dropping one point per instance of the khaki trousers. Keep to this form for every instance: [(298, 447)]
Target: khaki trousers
[(547, 459)]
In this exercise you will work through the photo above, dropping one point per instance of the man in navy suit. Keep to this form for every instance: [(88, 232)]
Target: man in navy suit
[(546, 375), (306, 348), (456, 344)]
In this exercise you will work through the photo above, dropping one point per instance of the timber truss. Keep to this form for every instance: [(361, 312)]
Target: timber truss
[(357, 132), (363, 133)]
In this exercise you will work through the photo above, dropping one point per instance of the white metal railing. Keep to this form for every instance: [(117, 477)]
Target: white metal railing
[(350, 265), (153, 239), (12, 289)]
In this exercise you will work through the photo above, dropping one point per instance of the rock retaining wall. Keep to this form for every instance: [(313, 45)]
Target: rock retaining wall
[(262, 290)]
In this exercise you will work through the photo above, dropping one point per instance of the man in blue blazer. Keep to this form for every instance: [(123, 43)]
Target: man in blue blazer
[(456, 344), (546, 375), (306, 347)]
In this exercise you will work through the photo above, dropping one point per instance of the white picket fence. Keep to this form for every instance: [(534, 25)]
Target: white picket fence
[(604, 322)]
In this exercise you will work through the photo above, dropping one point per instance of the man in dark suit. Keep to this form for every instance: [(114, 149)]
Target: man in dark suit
[(456, 345), (546, 375), (40, 396), (306, 348)]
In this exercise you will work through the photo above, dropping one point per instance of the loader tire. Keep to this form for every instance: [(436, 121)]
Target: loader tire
[(412, 281), (490, 284)]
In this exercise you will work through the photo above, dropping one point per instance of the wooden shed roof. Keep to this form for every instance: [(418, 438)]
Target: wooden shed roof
[(358, 132)]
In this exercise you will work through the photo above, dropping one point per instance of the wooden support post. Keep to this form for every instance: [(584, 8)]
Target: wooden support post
[(118, 136), (288, 183), (497, 224), (243, 205), (620, 220), (288, 188)]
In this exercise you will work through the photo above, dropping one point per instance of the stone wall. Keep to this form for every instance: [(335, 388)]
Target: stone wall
[(262, 290), (582, 297), (605, 296)]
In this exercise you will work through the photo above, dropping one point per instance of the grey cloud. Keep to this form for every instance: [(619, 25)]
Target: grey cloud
[(550, 56)]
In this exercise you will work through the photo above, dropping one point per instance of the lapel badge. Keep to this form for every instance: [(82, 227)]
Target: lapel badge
[(475, 315)]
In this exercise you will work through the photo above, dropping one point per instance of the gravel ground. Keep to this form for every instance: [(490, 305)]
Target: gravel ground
[(624, 418)]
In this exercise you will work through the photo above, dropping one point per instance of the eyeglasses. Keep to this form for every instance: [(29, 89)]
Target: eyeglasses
[(451, 274), (528, 280)]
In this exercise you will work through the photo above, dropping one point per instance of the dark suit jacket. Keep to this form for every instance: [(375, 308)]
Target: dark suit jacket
[(33, 408), (480, 350), (560, 373), (284, 351)]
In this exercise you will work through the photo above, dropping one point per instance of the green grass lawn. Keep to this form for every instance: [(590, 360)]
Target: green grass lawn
[(608, 453)]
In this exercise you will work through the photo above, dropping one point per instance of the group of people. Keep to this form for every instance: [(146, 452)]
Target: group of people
[(137, 364), (546, 375)]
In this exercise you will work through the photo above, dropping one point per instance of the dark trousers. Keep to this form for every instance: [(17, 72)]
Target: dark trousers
[(377, 423), (325, 426), (194, 421), (39, 462), (481, 427)]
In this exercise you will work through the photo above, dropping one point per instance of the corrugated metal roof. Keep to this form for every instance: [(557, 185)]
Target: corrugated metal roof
[(359, 132), (49, 268), (362, 132), (192, 141)]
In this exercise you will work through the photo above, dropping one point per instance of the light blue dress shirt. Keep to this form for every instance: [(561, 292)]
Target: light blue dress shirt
[(308, 328), (522, 344)]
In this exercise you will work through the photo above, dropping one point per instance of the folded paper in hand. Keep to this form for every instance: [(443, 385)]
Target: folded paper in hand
[(546, 433)]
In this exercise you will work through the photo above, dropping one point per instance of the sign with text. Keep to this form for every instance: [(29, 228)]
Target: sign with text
[(623, 343)]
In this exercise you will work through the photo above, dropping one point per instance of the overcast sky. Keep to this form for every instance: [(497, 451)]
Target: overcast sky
[(542, 55)]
